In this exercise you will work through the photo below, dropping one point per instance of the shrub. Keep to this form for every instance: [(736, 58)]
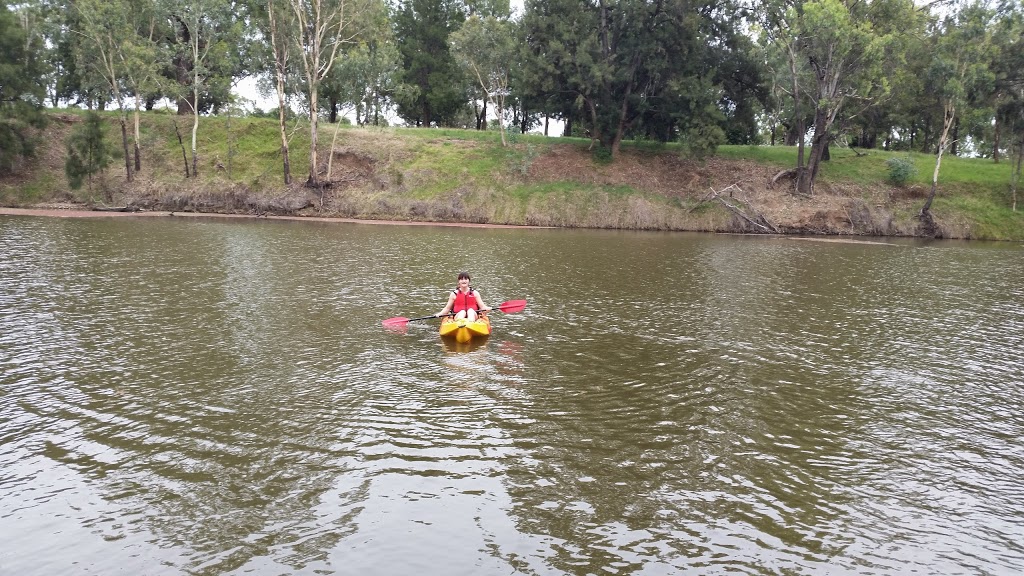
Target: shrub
[(901, 170), (602, 155)]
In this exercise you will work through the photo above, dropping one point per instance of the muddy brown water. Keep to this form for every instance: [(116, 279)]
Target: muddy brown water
[(210, 396)]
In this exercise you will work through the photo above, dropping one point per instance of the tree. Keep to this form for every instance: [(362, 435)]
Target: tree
[(422, 28), (1009, 70), (628, 66), (485, 48), (366, 78), (370, 77), (281, 38), (326, 28), (140, 63), (22, 90), (87, 151), (835, 50), (105, 28), (208, 31), (959, 65)]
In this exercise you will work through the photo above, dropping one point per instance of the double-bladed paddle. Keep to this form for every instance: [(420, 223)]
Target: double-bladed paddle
[(509, 307)]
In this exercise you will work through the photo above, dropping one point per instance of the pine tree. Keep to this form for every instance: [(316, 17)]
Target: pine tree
[(422, 28), (88, 152)]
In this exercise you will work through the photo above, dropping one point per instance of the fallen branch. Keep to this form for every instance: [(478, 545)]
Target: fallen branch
[(713, 194), (758, 220), (766, 226)]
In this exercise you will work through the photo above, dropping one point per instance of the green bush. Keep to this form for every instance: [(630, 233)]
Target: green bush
[(602, 155), (901, 170)]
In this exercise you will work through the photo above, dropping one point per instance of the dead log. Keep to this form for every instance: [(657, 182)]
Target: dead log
[(115, 208)]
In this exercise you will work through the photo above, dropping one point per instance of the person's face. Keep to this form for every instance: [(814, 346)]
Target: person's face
[(463, 283)]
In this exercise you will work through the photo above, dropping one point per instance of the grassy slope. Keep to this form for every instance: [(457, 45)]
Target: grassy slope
[(457, 175)]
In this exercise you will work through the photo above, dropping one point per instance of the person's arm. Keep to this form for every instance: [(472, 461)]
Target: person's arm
[(480, 302), (447, 307)]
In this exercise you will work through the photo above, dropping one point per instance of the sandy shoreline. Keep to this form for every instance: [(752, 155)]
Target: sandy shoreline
[(78, 213)]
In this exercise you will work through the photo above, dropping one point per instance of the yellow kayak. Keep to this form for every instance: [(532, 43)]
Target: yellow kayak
[(463, 330)]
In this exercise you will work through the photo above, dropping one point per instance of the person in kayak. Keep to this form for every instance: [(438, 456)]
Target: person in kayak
[(464, 301)]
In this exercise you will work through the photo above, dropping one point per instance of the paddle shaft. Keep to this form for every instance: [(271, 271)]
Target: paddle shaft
[(508, 307)]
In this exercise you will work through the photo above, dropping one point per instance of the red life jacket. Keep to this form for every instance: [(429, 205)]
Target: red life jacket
[(465, 301)]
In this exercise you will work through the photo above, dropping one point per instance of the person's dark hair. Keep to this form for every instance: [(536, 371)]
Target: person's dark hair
[(464, 275)]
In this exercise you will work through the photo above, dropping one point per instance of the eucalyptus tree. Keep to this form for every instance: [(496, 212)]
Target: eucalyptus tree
[(125, 34), (960, 64), (368, 77), (327, 28), (835, 50), (367, 73), (107, 35), (1008, 68), (206, 34), (22, 89), (140, 60), (485, 48), (278, 28)]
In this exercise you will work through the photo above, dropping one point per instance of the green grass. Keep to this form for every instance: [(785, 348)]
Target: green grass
[(781, 156), (869, 166)]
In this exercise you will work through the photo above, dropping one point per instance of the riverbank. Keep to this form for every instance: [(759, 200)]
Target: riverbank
[(467, 177), (75, 211)]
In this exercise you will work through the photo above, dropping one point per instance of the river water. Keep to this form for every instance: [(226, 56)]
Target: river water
[(200, 396)]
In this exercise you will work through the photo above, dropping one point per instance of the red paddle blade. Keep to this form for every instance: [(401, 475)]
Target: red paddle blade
[(396, 322), (512, 306)]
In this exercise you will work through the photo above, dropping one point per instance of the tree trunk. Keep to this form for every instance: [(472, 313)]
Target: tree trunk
[(818, 147), (181, 142), (954, 149), (124, 144), (947, 123), (195, 135), (280, 68), (425, 119), (995, 140), (314, 123), (803, 185), (138, 152), (1015, 177)]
